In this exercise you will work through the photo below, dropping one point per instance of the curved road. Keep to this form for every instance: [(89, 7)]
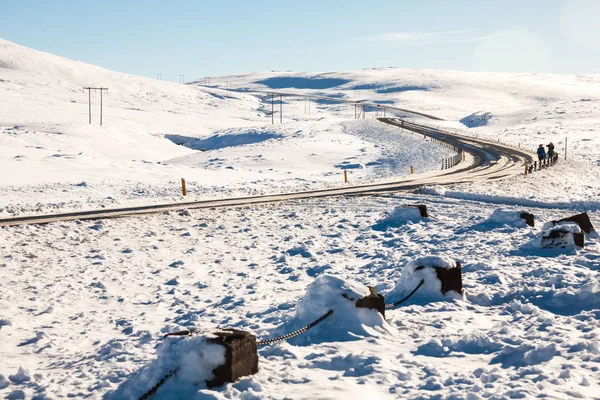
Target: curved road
[(485, 160)]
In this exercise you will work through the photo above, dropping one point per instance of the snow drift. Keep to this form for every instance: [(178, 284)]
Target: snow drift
[(348, 322), (195, 359), (398, 217)]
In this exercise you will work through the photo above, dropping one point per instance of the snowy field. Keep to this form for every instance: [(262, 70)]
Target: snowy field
[(84, 305)]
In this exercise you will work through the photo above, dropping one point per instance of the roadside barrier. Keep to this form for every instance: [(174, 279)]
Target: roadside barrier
[(543, 163), (448, 162), (240, 346)]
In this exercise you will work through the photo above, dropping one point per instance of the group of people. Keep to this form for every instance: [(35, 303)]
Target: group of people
[(541, 152)]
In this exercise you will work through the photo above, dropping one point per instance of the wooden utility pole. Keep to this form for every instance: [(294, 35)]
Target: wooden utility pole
[(272, 108), (89, 89), (281, 109), (181, 78)]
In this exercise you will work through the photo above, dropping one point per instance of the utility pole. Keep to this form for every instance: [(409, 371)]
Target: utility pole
[(272, 108), (181, 78), (89, 104), (281, 109), (159, 77), (566, 145), (89, 89)]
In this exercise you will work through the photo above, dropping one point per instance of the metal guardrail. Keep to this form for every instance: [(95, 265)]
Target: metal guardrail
[(448, 162)]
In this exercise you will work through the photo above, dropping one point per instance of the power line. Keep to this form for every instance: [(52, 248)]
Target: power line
[(89, 89)]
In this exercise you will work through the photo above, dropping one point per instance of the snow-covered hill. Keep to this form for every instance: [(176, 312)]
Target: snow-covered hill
[(84, 305), (521, 109)]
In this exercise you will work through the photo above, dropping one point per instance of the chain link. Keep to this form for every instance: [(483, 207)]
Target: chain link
[(396, 304), (298, 332), (287, 336), (158, 385)]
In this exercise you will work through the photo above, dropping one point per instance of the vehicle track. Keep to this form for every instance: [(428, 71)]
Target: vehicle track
[(485, 161)]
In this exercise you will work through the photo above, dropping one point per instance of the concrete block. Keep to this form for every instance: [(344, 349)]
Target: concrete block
[(529, 218), (373, 301), (241, 356), (451, 278)]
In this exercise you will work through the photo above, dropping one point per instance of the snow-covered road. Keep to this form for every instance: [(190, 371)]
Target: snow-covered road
[(485, 161)]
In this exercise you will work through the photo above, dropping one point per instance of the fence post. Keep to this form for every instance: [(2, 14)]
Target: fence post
[(412, 170), (345, 176), (183, 188)]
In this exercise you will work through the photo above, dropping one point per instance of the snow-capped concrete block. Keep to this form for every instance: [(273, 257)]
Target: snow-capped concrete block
[(373, 301), (508, 217), (451, 278), (563, 235), (422, 209), (241, 357), (442, 277), (348, 321), (528, 217), (401, 216), (582, 220)]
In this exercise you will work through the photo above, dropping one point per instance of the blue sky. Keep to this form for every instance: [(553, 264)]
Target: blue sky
[(204, 38)]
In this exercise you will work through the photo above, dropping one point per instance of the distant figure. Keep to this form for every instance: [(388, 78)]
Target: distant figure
[(541, 152), (550, 150)]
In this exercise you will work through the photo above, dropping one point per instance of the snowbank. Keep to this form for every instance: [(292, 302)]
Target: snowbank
[(348, 322), (231, 138), (424, 268), (476, 119), (196, 359), (398, 217), (504, 216)]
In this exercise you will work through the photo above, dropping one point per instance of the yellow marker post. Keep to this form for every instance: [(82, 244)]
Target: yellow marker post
[(183, 189), (345, 176), (412, 170), (526, 168)]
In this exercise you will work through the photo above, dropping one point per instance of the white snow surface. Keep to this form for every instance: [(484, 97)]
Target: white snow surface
[(347, 322), (503, 216), (84, 304), (399, 216), (192, 358)]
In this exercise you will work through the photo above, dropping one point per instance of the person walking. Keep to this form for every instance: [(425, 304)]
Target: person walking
[(550, 150), (541, 152)]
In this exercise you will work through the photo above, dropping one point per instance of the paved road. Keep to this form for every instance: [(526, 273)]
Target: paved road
[(359, 103), (484, 161)]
